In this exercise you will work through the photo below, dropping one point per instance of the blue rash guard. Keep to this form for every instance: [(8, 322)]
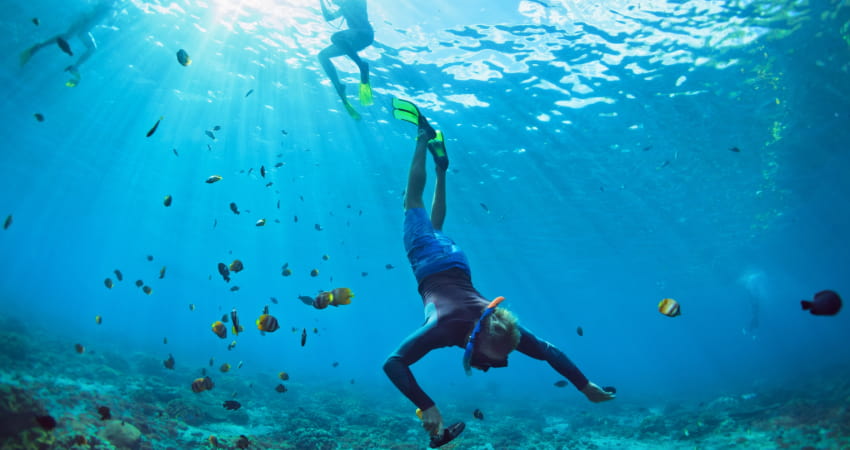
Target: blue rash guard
[(452, 308)]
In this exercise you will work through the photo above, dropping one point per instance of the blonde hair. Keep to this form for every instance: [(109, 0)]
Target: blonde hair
[(502, 331)]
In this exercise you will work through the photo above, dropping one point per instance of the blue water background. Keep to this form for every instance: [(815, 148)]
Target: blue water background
[(598, 137)]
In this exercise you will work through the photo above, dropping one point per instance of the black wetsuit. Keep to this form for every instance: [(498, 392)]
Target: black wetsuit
[(452, 308)]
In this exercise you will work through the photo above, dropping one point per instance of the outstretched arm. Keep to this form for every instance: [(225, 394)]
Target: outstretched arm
[(537, 349), (327, 12), (414, 347)]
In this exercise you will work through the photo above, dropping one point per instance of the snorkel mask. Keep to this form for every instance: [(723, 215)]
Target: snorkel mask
[(470, 346)]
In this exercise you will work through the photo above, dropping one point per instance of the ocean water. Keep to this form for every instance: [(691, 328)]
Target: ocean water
[(604, 155)]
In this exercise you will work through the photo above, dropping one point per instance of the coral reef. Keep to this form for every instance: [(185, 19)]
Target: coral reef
[(123, 435)]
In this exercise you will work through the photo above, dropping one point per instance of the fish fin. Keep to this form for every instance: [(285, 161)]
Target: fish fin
[(806, 304)]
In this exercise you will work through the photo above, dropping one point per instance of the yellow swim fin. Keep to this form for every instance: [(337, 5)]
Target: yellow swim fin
[(25, 56), (351, 111), (366, 94)]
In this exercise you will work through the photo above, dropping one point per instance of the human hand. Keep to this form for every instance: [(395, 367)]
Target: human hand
[(432, 421), (596, 394)]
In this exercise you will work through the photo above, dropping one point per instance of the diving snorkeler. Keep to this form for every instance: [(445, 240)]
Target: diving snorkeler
[(456, 314), (81, 29), (358, 36)]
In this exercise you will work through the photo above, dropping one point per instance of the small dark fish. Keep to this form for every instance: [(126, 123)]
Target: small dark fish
[(63, 44), (303, 336), (79, 348), (108, 283), (286, 271), (236, 266), (250, 91), (149, 257), (232, 405), (191, 306), (217, 127), (363, 274), (147, 290), (165, 340), (647, 148), (307, 300), (225, 318), (183, 58), (335, 364), (104, 412), (478, 414), (295, 219), (242, 442), (224, 271), (825, 303), (580, 331), (175, 152), (169, 363), (35, 21), (284, 132), (162, 273), (249, 171), (209, 147), (234, 318), (234, 288), (278, 165), (274, 300), (484, 207), (234, 208), (278, 204), (210, 134), (314, 273), (561, 383), (269, 184), (316, 331), (118, 275), (317, 227), (39, 117), (155, 126), (46, 422), (263, 171), (167, 201), (139, 283), (389, 266), (280, 388), (266, 309), (735, 150)]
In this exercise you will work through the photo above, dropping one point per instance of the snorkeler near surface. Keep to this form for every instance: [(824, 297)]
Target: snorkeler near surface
[(358, 36), (456, 313), (81, 29)]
